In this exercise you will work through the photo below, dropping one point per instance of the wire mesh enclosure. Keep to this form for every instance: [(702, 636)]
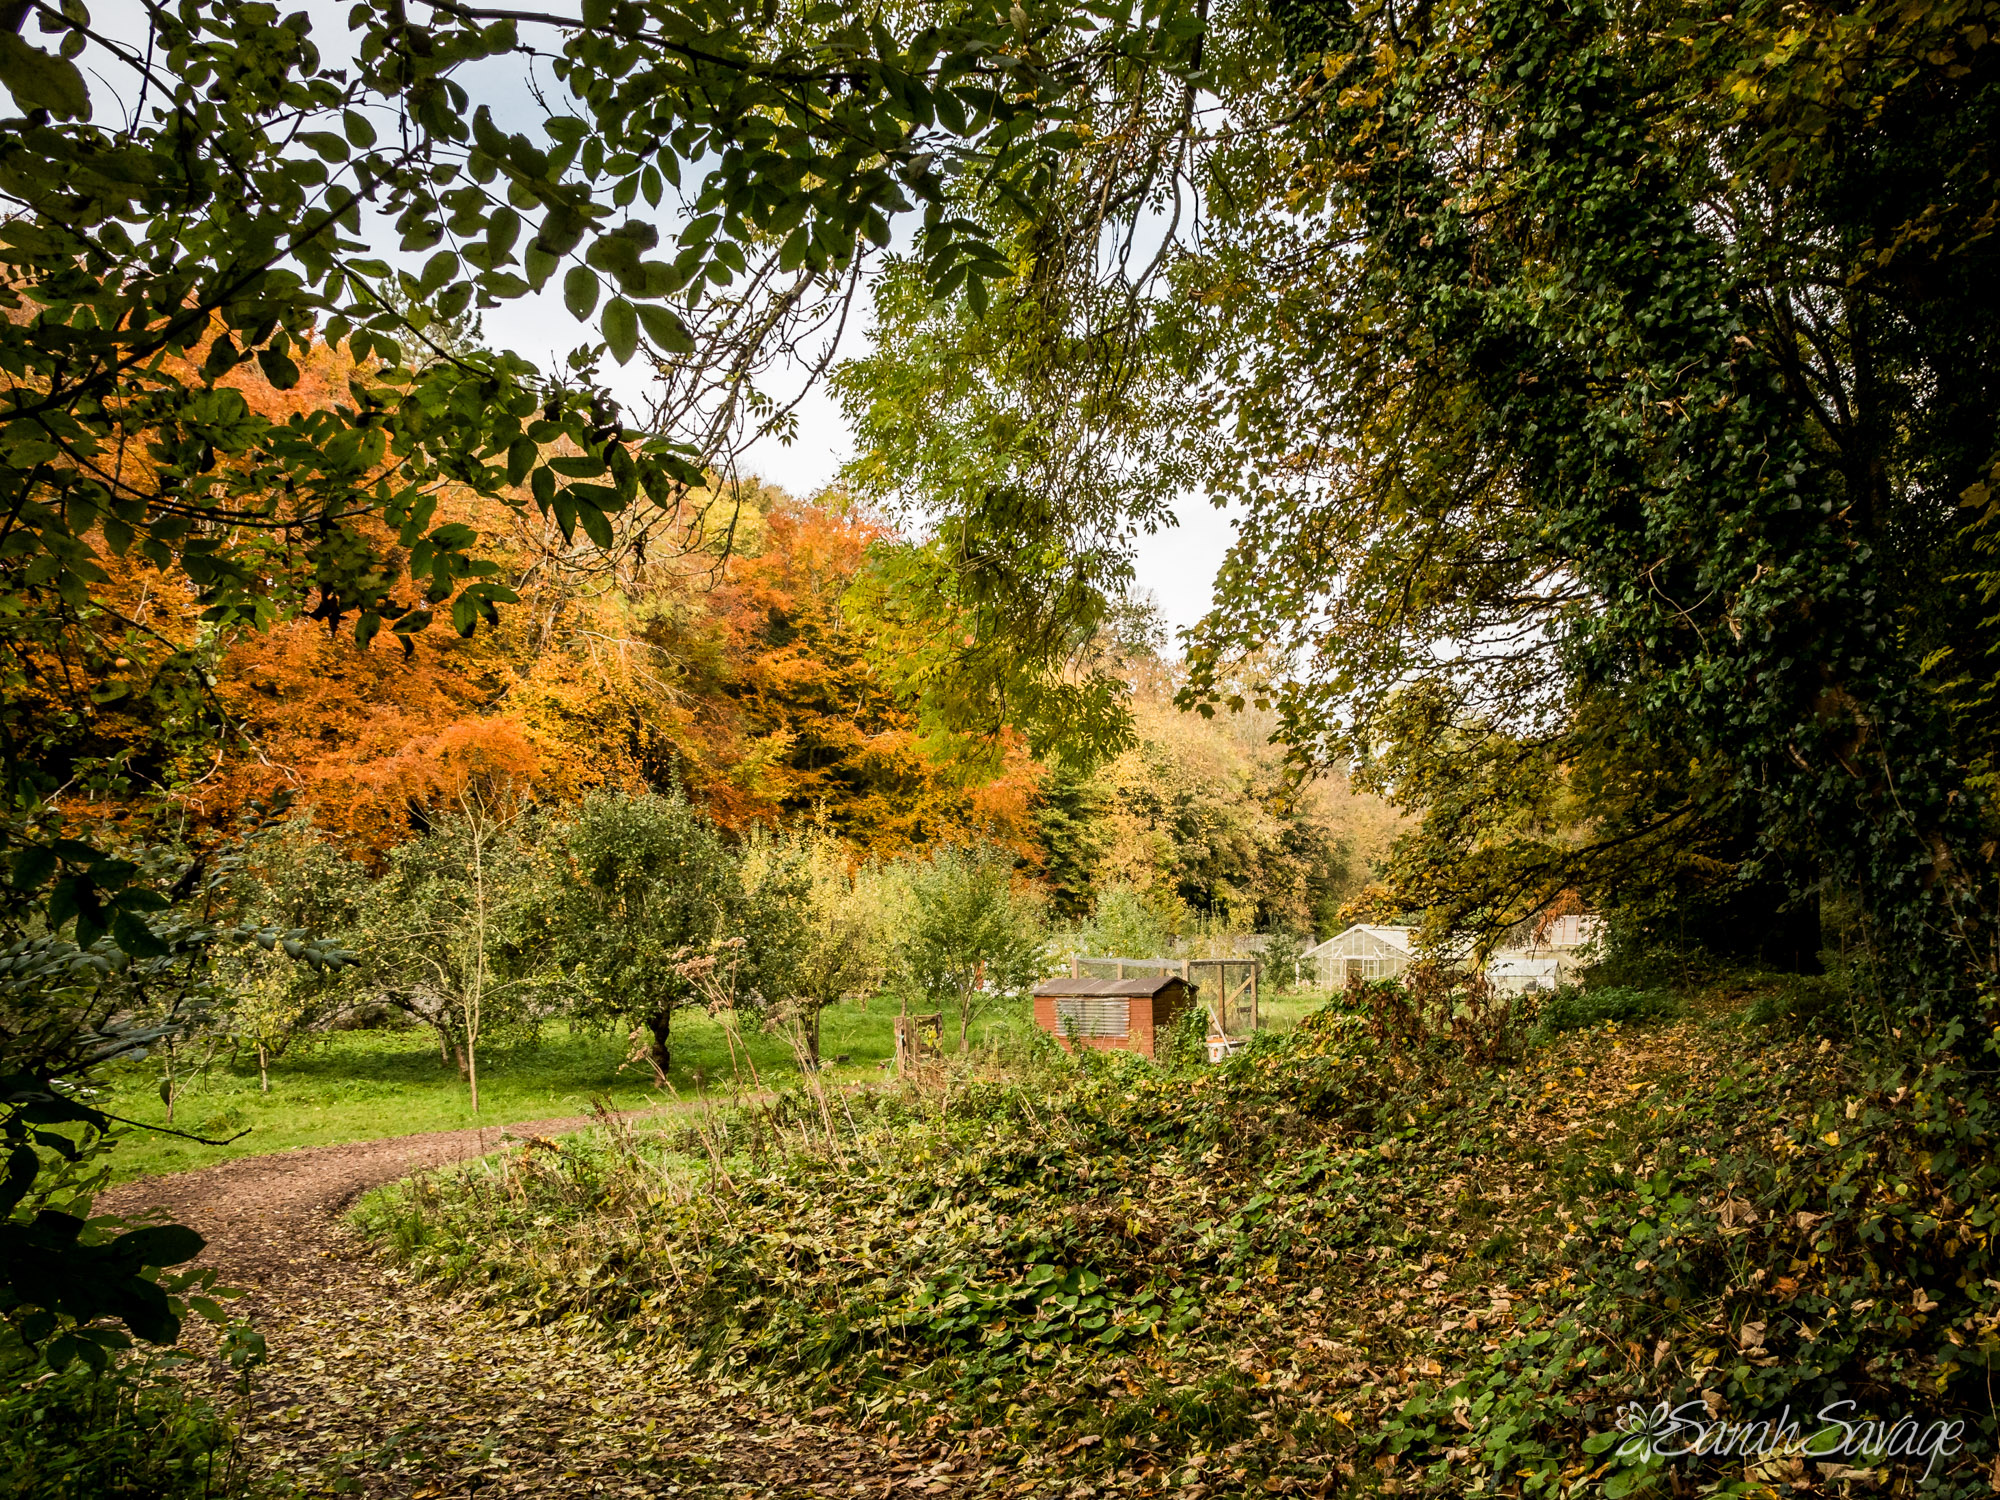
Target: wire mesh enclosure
[(1227, 986)]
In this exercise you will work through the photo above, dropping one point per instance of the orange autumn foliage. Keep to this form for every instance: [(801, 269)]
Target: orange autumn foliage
[(751, 688), (365, 737), (755, 694), (811, 726)]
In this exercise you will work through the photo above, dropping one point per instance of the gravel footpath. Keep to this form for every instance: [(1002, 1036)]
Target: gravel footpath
[(377, 1386)]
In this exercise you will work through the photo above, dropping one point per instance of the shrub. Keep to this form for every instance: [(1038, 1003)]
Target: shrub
[(969, 934), (1207, 1261), (130, 1430), (1130, 923), (1184, 1041), (1572, 1008), (1435, 1011), (1809, 1005), (1630, 954), (1281, 958)]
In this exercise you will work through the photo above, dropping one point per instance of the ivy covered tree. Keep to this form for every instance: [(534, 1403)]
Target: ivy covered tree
[(1599, 387), (1656, 363)]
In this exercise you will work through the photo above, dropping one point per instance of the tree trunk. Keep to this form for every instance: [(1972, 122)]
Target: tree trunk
[(661, 1055), (451, 1046), (812, 1032), (263, 1070)]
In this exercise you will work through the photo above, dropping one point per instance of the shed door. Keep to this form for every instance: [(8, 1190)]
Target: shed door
[(1094, 1015)]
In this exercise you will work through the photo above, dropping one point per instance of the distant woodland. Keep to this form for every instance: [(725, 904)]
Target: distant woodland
[(725, 650)]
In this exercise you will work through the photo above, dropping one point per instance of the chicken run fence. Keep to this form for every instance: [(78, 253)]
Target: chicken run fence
[(1226, 986)]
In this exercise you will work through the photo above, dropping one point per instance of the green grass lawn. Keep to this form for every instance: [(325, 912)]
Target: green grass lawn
[(1276, 1012), (364, 1085)]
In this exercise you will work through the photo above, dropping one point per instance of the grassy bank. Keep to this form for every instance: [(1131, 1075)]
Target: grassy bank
[(1337, 1264), (364, 1085)]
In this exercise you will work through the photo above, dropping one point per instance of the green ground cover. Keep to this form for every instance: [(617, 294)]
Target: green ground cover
[(1331, 1265), (133, 1433), (366, 1085)]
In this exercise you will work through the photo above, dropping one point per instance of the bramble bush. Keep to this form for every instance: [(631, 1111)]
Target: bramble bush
[(1573, 1007)]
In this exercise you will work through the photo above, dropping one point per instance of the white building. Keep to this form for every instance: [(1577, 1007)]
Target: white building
[(1543, 953), (1536, 955), (1564, 934)]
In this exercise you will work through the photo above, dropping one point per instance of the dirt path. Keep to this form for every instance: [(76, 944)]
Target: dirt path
[(264, 1216), (378, 1387)]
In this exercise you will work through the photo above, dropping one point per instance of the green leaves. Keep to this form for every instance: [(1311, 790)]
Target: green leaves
[(621, 330), (502, 229), (40, 80), (47, 1265), (666, 331), (132, 934), (969, 934), (325, 144), (596, 524), (580, 291), (157, 1246), (278, 368), (649, 880), (438, 270)]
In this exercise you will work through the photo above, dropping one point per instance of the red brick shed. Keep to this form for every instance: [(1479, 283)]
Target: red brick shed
[(1111, 1014)]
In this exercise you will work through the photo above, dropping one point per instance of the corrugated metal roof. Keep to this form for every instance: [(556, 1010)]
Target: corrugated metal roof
[(1075, 987)]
